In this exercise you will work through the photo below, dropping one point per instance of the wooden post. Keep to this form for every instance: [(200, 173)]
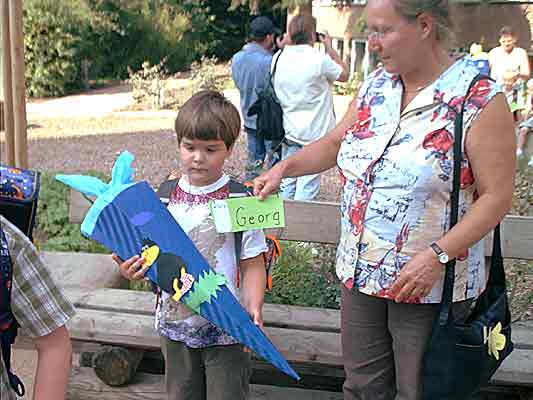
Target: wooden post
[(18, 82), (348, 51), (9, 123)]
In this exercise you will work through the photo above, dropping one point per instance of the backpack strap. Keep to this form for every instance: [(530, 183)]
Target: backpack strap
[(8, 324), (165, 190)]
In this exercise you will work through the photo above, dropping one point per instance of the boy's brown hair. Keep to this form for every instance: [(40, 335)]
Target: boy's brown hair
[(208, 115)]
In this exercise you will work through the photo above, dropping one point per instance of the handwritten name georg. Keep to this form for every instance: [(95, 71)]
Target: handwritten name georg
[(243, 217)]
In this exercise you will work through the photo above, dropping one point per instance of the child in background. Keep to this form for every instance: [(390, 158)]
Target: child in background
[(203, 362), (511, 94), (525, 127)]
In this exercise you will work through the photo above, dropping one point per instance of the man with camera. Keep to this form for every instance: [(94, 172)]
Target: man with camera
[(250, 69)]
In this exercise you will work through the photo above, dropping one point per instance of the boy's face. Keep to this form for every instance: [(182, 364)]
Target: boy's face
[(202, 160)]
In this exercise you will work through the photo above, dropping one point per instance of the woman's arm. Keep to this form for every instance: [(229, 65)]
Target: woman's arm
[(491, 147), (53, 365), (314, 158), (253, 286)]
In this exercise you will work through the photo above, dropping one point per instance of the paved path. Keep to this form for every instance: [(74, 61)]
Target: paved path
[(94, 103)]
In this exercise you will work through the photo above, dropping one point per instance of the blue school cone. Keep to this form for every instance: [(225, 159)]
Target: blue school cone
[(129, 219)]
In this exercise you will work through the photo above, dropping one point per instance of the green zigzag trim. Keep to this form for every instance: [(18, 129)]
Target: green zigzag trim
[(204, 290)]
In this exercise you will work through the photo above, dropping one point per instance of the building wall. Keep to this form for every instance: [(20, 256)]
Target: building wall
[(475, 22)]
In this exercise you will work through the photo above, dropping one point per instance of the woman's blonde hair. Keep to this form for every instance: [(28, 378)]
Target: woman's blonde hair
[(441, 10)]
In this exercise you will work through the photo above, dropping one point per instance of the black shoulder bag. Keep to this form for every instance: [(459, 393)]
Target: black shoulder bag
[(462, 356), (268, 110)]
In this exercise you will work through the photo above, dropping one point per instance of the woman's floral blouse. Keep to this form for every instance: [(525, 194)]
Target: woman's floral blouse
[(396, 172)]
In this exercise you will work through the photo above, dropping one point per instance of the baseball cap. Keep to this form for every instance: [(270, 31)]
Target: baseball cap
[(262, 26)]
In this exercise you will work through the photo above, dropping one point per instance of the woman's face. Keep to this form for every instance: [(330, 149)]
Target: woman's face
[(392, 37)]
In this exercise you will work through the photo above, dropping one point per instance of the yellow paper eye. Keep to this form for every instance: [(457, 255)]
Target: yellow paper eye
[(150, 255), (496, 341)]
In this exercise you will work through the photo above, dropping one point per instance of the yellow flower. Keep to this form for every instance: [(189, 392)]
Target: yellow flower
[(496, 341)]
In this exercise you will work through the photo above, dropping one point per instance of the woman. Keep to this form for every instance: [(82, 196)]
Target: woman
[(302, 82), (394, 150)]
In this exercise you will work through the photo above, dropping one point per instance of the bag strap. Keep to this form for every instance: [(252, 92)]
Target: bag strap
[(271, 75), (497, 273)]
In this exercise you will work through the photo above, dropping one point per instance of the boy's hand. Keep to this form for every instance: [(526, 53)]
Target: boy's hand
[(257, 316), (131, 269)]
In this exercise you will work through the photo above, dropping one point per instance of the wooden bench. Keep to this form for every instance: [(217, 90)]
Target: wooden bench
[(308, 337)]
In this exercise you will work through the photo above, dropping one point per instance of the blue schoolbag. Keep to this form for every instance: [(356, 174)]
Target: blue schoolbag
[(19, 191)]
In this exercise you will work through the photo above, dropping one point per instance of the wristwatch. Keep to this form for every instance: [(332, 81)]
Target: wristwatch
[(441, 254)]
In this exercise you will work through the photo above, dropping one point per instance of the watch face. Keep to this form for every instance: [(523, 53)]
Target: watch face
[(443, 258)]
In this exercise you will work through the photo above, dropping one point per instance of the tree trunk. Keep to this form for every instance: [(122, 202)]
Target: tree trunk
[(115, 366)]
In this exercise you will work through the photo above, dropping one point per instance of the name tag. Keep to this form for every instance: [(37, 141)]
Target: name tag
[(246, 213)]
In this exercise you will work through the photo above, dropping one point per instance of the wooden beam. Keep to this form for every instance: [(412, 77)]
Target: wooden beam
[(319, 222), (84, 385), (9, 123), (142, 303), (18, 83)]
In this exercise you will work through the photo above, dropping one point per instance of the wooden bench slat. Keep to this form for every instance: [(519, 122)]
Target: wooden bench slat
[(324, 220), (142, 303), (516, 370), (84, 385), (522, 335), (138, 331), (275, 315)]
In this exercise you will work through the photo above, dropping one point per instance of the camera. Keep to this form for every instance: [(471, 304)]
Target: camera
[(319, 36)]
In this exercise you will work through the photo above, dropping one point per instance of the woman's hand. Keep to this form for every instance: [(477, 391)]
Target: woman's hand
[(131, 269), (417, 277), (268, 182)]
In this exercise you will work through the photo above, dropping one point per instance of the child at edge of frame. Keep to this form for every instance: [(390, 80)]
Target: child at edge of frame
[(202, 362)]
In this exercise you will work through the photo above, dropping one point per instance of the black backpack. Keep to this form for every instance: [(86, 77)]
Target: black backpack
[(268, 110)]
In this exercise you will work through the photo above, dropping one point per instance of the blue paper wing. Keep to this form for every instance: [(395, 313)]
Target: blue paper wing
[(136, 213)]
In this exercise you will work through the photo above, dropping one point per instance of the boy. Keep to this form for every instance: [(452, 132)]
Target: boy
[(41, 310), (526, 127), (202, 362)]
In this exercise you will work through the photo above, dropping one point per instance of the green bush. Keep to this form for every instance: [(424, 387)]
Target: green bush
[(53, 231), (148, 84), (350, 87), (52, 42), (204, 75), (303, 277)]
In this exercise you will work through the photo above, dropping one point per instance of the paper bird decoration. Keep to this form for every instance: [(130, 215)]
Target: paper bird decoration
[(129, 219)]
